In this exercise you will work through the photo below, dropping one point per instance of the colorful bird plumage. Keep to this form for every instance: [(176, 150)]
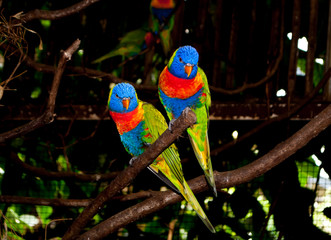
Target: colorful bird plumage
[(140, 124), (183, 84), (163, 21), (162, 9)]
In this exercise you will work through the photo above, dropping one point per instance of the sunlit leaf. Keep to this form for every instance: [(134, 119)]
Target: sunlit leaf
[(306, 169), (35, 93), (13, 222), (29, 219), (62, 163), (44, 212), (45, 23)]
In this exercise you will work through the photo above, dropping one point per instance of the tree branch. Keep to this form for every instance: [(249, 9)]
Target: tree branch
[(48, 115), (45, 174), (223, 179), (186, 119), (56, 14), (72, 202), (45, 201)]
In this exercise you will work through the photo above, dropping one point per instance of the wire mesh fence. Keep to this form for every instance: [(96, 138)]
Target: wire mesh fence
[(230, 213)]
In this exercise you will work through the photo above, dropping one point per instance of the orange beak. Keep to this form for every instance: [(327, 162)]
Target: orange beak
[(188, 69), (126, 102)]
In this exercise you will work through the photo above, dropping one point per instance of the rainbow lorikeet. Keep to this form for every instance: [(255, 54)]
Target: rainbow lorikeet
[(140, 124), (183, 84), (161, 10), (163, 21)]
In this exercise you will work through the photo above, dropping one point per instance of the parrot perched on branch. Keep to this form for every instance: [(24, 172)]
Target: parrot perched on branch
[(183, 84), (139, 125)]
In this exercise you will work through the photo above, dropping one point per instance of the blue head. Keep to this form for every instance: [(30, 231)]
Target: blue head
[(122, 98), (184, 62)]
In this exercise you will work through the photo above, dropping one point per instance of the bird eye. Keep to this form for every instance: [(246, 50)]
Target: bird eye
[(180, 59), (117, 96)]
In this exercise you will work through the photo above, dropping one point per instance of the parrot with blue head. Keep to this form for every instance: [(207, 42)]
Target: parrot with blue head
[(139, 125), (183, 84)]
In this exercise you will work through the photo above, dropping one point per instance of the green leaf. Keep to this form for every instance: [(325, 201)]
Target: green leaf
[(30, 220), (306, 169), (45, 23), (13, 222), (62, 163), (44, 212), (35, 93)]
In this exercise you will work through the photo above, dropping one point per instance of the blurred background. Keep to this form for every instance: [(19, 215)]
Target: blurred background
[(265, 62)]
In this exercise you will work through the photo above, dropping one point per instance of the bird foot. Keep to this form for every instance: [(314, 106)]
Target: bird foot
[(171, 123), (132, 160)]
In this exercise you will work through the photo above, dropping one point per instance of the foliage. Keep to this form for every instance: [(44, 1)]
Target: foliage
[(113, 35)]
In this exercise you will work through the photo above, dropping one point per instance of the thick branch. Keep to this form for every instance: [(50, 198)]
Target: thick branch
[(186, 119), (223, 179), (57, 14), (48, 115)]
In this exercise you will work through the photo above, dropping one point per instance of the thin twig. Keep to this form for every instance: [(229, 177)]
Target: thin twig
[(56, 14), (72, 203), (45, 174)]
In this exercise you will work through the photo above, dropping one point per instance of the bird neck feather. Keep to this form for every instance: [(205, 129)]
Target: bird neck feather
[(125, 122), (176, 87)]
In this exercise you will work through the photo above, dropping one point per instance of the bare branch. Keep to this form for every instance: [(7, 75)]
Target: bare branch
[(45, 174), (186, 119), (56, 14), (45, 201), (48, 115), (223, 179), (72, 202)]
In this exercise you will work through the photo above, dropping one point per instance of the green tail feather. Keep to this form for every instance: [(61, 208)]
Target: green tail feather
[(191, 199), (209, 174), (204, 160)]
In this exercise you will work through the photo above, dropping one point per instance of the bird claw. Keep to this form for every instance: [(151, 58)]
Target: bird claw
[(132, 160), (171, 123)]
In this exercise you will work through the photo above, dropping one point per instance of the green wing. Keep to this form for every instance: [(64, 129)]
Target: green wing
[(167, 166), (156, 125), (206, 89)]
